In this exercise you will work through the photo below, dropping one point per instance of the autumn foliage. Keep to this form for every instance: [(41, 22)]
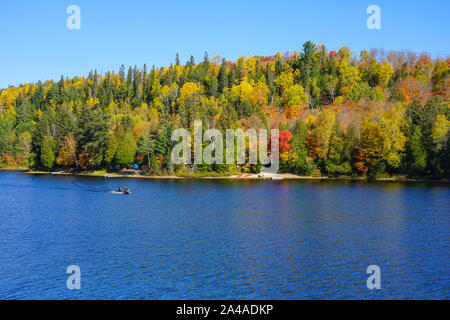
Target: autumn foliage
[(386, 113)]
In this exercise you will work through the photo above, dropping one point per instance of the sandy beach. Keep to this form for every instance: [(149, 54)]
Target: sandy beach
[(244, 176)]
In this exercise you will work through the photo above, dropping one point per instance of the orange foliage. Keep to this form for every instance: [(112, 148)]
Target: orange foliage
[(84, 160), (291, 113), (361, 158), (8, 159), (160, 159), (412, 89), (313, 145)]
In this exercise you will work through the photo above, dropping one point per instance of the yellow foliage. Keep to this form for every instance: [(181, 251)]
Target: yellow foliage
[(285, 80), (91, 102), (310, 120), (8, 96), (440, 132)]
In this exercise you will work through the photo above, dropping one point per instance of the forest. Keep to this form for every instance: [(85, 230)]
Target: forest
[(375, 114)]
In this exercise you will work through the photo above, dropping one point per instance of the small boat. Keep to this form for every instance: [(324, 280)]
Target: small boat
[(121, 192)]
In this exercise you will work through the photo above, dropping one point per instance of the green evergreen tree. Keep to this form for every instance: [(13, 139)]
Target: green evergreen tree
[(308, 68), (92, 134), (416, 153), (213, 86), (299, 148), (24, 116), (65, 123), (7, 136), (146, 145), (222, 76), (232, 77)]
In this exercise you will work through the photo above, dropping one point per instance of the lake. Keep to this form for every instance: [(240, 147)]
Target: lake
[(222, 239)]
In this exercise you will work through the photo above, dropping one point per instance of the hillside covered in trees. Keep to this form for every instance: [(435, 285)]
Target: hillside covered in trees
[(375, 114)]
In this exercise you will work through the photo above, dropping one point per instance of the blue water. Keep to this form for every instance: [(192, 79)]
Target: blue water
[(222, 239)]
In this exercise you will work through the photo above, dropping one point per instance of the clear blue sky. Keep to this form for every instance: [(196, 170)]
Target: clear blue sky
[(36, 45)]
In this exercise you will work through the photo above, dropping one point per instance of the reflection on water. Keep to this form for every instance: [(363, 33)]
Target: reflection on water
[(222, 239)]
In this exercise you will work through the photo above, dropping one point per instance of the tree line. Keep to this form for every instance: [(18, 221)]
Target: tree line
[(378, 113)]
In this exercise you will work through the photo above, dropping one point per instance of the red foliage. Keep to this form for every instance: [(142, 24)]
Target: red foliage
[(285, 139), (267, 58)]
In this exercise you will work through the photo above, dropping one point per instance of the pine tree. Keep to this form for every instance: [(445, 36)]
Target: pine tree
[(53, 96), (299, 146), (191, 61), (24, 116), (164, 144), (137, 86), (146, 145), (222, 77), (212, 86), (416, 153), (92, 134), (65, 123), (122, 73), (308, 68), (129, 85), (232, 77)]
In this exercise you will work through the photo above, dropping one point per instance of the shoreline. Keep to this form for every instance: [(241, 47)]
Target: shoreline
[(15, 169), (284, 176)]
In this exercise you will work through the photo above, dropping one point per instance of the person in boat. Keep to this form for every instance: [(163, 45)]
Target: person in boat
[(125, 189), (120, 189)]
